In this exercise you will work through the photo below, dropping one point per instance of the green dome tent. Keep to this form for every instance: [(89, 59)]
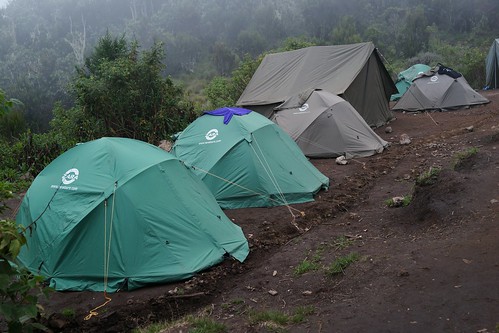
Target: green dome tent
[(119, 213), (405, 78), (247, 161)]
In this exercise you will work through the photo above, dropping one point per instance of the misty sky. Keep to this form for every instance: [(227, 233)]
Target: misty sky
[(3, 3)]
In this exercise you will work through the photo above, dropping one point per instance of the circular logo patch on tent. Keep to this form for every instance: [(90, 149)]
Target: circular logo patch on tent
[(212, 134), (70, 176), (304, 107), (434, 78)]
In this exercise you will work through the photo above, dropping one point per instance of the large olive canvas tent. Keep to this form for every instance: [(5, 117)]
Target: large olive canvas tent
[(325, 125), (355, 72), (405, 78), (119, 213), (492, 66), (439, 89), (247, 161)]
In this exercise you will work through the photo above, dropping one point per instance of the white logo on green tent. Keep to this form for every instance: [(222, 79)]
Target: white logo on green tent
[(212, 134), (70, 176)]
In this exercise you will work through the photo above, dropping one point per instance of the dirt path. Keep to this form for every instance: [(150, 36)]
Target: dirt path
[(432, 266)]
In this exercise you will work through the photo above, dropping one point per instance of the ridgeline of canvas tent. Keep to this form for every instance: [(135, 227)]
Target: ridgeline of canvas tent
[(248, 161), (492, 66), (126, 211), (405, 78), (355, 72), (436, 91), (325, 125)]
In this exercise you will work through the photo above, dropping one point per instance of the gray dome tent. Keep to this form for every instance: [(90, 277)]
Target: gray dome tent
[(441, 88), (325, 125)]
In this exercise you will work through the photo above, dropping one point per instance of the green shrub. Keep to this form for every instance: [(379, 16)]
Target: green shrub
[(19, 289)]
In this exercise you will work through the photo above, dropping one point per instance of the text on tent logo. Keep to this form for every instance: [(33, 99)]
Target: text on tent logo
[(212, 134), (70, 176), (304, 107)]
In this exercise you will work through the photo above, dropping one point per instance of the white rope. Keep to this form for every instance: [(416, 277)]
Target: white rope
[(238, 185), (269, 172), (106, 272), (107, 254), (105, 244), (313, 143)]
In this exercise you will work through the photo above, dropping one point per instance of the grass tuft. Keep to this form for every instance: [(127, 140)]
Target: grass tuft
[(462, 156), (301, 313), (306, 266), (206, 325), (428, 177), (340, 264), (406, 201), (342, 242), (192, 324), (278, 319)]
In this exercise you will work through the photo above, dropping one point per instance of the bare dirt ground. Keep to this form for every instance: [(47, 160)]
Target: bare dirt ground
[(432, 266)]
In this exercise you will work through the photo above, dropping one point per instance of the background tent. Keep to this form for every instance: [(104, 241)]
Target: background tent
[(439, 89), (355, 72), (492, 66), (157, 219), (325, 125), (247, 161), (405, 78)]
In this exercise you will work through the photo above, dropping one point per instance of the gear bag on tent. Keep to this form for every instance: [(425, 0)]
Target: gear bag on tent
[(448, 71)]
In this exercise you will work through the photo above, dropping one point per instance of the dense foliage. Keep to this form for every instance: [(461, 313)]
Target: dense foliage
[(43, 41), (19, 289), (120, 92)]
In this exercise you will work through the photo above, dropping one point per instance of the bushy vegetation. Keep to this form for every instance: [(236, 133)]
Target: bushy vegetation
[(19, 289), (120, 92)]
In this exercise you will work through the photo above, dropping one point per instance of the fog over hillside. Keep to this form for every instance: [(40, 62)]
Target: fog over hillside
[(43, 41)]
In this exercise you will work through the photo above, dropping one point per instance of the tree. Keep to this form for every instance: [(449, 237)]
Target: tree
[(415, 35), (226, 91), (224, 58), (12, 122), (123, 90), (295, 43), (5, 104), (346, 32), (219, 93)]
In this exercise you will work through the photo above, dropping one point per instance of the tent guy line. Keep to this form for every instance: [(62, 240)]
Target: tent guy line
[(247, 189)]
